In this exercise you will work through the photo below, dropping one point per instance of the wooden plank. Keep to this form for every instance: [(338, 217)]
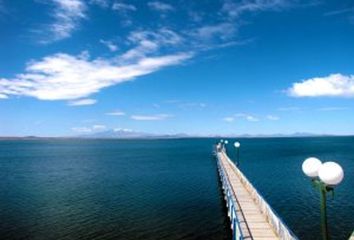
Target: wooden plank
[(254, 225)]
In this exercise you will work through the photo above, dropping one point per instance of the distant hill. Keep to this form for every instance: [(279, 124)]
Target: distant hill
[(127, 133)]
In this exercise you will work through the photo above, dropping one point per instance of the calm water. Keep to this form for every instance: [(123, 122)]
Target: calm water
[(159, 189)]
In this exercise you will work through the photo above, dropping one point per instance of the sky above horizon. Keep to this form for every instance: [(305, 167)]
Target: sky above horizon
[(73, 67)]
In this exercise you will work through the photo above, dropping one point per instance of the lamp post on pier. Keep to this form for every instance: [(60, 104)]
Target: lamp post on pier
[(225, 143), (324, 176), (237, 146)]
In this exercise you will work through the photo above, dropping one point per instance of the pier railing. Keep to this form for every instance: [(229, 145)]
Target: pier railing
[(274, 220), (231, 204)]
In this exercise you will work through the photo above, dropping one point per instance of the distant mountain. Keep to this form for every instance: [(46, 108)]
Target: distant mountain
[(127, 133)]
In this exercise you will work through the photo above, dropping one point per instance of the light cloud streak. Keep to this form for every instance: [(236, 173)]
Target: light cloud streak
[(116, 113), (331, 109), (229, 119), (334, 85), (160, 6), (235, 9), (156, 117), (82, 102), (123, 7), (94, 128), (272, 117)]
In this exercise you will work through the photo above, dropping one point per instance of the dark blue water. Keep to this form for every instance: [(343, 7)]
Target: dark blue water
[(159, 189)]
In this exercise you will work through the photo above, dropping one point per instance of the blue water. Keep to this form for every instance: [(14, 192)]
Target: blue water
[(159, 189)]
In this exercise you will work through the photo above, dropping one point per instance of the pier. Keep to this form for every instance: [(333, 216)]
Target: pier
[(251, 216)]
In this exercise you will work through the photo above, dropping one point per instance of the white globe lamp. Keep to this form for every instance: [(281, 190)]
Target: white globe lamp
[(331, 173), (311, 166), (237, 144)]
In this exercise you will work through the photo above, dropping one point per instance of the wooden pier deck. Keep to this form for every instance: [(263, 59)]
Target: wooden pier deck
[(255, 218), (352, 236)]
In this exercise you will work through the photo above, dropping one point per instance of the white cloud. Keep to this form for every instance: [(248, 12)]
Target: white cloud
[(272, 117), (252, 119), (116, 113), (160, 6), (110, 45), (228, 119), (244, 116), (3, 96), (123, 7), (247, 117), (157, 117), (67, 15), (94, 128), (66, 77), (334, 85), (99, 127), (82, 102)]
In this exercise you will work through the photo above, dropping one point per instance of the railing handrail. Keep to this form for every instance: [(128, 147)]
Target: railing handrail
[(280, 227), (226, 182)]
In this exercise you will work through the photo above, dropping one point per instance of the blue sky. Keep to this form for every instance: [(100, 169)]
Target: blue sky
[(70, 67)]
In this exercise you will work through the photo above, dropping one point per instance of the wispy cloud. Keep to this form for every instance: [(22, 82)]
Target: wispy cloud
[(160, 6), (228, 119), (192, 105), (147, 42), (123, 7), (66, 77), (272, 117), (330, 109), (82, 102), (116, 113), (340, 11), (110, 45), (91, 129), (334, 85), (156, 117), (99, 127), (67, 15), (247, 117), (235, 9), (210, 36), (244, 116)]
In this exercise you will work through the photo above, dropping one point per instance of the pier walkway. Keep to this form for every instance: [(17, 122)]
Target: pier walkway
[(251, 216)]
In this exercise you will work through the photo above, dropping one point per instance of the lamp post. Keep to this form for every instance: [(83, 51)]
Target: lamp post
[(237, 146), (225, 143), (324, 176)]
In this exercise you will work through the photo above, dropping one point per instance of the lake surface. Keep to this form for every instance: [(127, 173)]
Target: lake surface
[(160, 189)]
